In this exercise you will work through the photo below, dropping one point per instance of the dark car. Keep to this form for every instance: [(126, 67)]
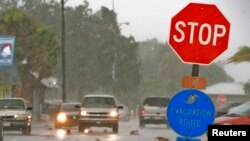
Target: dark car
[(239, 115), (225, 108), (67, 115), (153, 110)]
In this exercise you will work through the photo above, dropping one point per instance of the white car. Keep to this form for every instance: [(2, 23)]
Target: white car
[(153, 111), (15, 115), (98, 110)]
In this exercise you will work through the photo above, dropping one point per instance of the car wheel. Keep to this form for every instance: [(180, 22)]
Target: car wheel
[(1, 131), (141, 123), (56, 125), (81, 128), (68, 131), (115, 128), (26, 130), (168, 125)]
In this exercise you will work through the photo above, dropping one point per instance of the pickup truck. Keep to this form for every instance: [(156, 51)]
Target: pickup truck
[(15, 115), (153, 111), (98, 110)]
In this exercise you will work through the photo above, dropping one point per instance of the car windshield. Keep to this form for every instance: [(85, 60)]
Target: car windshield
[(98, 102), (11, 104), (68, 107), (159, 102), (227, 106), (241, 110)]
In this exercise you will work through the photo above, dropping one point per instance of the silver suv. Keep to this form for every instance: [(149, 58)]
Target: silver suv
[(98, 110), (153, 110), (15, 115)]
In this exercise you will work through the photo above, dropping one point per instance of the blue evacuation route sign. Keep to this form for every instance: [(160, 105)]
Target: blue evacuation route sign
[(190, 112)]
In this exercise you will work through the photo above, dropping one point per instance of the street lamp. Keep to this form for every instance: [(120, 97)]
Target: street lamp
[(24, 61), (50, 82), (124, 23), (120, 24)]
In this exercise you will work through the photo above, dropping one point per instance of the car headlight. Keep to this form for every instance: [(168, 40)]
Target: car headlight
[(16, 116), (61, 117), (113, 114), (29, 117), (20, 116), (226, 124), (83, 113)]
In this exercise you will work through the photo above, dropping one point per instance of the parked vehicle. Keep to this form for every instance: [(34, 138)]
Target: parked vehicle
[(1, 130), (153, 111), (67, 115), (123, 113), (98, 110), (15, 115), (239, 115), (225, 108)]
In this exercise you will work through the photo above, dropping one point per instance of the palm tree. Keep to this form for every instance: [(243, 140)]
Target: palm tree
[(242, 55)]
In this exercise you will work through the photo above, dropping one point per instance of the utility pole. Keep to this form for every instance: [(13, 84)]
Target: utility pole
[(113, 5), (63, 52)]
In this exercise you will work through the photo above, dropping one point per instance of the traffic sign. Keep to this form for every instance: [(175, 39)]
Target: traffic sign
[(190, 112), (7, 44), (194, 82), (221, 99), (186, 139), (199, 33)]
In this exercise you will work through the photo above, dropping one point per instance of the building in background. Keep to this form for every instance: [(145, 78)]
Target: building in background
[(221, 93), (10, 82)]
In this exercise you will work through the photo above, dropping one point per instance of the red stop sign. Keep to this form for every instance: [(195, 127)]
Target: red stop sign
[(199, 33)]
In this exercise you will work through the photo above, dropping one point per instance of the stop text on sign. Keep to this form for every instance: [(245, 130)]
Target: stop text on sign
[(199, 33), (206, 32)]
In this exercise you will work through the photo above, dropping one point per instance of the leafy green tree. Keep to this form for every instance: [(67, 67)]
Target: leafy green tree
[(127, 77), (162, 70), (98, 57), (8, 3), (247, 88), (106, 60), (34, 42)]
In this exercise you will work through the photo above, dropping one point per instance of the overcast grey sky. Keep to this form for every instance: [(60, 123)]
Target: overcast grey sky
[(151, 19)]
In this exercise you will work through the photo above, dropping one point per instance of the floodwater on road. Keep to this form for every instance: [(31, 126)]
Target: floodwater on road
[(128, 131)]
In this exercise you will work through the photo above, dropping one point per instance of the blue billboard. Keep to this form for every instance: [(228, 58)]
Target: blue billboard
[(7, 45)]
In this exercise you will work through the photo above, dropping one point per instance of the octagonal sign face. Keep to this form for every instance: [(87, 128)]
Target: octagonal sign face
[(199, 33)]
